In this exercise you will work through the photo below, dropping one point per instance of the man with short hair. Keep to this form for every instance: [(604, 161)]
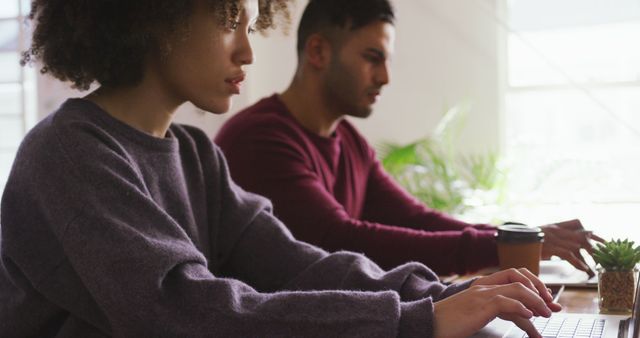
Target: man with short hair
[(323, 177)]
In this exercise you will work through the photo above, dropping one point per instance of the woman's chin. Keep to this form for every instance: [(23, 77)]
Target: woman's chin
[(218, 112), (219, 107)]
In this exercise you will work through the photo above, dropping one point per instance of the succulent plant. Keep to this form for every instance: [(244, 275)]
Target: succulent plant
[(617, 255)]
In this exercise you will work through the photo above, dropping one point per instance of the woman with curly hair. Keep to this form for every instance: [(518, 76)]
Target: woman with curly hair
[(116, 222)]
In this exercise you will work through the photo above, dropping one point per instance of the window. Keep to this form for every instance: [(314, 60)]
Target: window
[(572, 117), (17, 84)]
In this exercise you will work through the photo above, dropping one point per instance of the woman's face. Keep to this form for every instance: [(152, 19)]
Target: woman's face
[(205, 67)]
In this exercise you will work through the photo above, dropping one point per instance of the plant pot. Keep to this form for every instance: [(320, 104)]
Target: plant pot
[(616, 290)]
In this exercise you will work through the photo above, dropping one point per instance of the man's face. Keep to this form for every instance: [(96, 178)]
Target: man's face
[(358, 70)]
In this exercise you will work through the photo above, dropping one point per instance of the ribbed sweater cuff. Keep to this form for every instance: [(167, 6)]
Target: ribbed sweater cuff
[(416, 319)]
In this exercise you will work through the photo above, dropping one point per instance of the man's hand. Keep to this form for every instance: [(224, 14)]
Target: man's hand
[(514, 295), (565, 239)]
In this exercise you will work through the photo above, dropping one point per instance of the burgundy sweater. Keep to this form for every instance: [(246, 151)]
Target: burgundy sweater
[(334, 193), (108, 231)]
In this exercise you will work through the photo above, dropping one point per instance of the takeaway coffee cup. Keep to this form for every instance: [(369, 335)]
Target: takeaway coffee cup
[(519, 246)]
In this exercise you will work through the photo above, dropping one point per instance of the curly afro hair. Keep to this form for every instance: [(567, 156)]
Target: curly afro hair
[(107, 41)]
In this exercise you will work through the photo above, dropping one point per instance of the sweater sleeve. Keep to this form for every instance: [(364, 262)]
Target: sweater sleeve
[(388, 202), (147, 278), (267, 162), (271, 260)]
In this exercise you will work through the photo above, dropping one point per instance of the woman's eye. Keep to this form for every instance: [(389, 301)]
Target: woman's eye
[(251, 30)]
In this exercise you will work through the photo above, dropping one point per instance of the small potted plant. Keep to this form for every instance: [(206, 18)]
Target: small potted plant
[(617, 274)]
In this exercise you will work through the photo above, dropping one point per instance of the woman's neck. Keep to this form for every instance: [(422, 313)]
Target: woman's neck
[(145, 106)]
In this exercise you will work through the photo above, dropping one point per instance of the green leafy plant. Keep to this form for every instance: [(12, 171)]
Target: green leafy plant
[(436, 173), (617, 255)]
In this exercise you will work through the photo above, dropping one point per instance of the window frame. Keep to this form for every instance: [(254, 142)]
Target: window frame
[(27, 110)]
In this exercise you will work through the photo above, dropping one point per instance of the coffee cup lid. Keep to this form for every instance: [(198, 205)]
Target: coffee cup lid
[(519, 233)]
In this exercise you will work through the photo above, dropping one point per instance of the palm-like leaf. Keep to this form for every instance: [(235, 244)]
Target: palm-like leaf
[(435, 173)]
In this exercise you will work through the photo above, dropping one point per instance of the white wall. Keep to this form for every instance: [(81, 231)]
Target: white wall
[(446, 53)]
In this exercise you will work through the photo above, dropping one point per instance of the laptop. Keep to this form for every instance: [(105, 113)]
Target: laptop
[(559, 272), (572, 325)]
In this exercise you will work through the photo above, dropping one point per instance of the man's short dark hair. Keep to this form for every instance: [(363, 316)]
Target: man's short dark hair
[(322, 15), (107, 41)]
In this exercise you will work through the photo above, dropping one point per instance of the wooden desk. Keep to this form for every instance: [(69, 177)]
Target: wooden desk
[(579, 300), (582, 300)]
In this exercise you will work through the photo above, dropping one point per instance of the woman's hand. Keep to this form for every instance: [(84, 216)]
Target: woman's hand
[(514, 295)]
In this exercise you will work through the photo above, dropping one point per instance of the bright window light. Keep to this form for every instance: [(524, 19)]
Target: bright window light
[(17, 84), (572, 121)]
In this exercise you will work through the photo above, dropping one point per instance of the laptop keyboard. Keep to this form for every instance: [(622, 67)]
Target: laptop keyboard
[(569, 327)]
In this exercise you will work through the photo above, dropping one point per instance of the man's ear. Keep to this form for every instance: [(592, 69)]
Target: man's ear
[(317, 51)]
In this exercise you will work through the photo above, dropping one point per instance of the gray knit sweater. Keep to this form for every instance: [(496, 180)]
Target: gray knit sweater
[(108, 231)]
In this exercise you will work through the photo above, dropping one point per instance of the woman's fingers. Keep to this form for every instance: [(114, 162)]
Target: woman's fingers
[(525, 325), (538, 285), (522, 294), (523, 276), (509, 307)]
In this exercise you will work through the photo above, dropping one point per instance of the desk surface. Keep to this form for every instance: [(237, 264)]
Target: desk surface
[(579, 300), (582, 300)]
